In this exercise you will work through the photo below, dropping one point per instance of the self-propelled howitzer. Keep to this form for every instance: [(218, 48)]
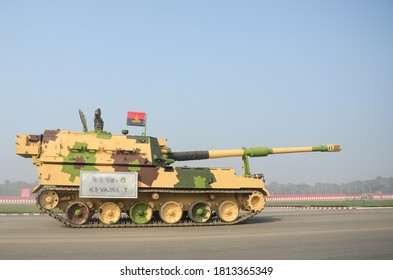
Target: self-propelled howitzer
[(97, 179)]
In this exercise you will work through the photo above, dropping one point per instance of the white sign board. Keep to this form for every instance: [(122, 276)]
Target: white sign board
[(108, 184)]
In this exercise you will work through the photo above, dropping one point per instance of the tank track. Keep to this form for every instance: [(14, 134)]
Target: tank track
[(125, 222)]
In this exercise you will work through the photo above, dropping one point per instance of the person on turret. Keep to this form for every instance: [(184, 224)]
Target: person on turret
[(98, 122)]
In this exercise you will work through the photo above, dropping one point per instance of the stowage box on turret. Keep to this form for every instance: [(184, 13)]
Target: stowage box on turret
[(96, 179)]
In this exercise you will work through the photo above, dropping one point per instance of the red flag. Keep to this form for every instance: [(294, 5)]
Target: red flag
[(136, 118)]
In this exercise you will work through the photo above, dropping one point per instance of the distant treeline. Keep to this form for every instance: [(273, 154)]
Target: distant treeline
[(14, 188), (377, 185)]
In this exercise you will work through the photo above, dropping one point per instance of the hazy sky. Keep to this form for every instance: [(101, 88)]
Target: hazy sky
[(210, 75)]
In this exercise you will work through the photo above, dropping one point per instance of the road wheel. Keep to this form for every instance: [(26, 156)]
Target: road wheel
[(228, 211), (171, 212), (141, 213), (109, 213), (199, 212), (77, 213)]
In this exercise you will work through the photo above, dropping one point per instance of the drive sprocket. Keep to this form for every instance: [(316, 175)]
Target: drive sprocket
[(254, 202)]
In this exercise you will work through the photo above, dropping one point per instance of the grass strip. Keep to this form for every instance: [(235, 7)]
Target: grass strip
[(18, 208)]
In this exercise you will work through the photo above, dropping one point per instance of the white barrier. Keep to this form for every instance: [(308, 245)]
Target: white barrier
[(16, 200), (328, 197), (272, 198)]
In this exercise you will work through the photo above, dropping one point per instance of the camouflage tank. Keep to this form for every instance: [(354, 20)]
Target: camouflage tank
[(96, 179)]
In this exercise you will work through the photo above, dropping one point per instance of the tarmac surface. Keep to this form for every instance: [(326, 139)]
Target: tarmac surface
[(274, 234)]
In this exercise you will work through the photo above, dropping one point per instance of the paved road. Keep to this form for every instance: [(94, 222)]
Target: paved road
[(274, 234)]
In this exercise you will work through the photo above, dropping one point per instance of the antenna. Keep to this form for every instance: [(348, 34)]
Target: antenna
[(83, 120)]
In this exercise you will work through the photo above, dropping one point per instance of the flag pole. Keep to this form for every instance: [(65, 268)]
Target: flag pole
[(145, 123)]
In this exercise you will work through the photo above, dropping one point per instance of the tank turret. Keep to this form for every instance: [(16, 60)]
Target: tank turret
[(98, 179)]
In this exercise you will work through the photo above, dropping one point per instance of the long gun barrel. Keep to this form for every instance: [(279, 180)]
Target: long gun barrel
[(250, 152)]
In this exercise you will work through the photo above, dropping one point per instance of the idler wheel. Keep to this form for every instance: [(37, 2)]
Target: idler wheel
[(199, 212), (109, 213), (254, 202), (171, 212), (141, 213), (77, 213), (49, 199), (228, 211)]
